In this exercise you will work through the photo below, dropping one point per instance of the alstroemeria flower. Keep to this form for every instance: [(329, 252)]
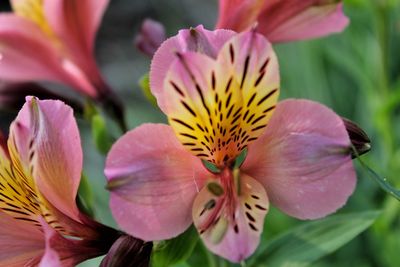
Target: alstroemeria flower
[(283, 20), (218, 104), (53, 40), (40, 172)]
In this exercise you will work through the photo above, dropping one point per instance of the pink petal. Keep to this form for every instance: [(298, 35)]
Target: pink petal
[(64, 252), (216, 107), (283, 20), (20, 243), (290, 20), (27, 54), (153, 182), (76, 22), (196, 40), (233, 239), (238, 15), (47, 137), (303, 160)]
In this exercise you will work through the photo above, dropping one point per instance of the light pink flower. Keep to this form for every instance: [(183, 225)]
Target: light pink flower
[(283, 20), (53, 40), (40, 172), (221, 99)]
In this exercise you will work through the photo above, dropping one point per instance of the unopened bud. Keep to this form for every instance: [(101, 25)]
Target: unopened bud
[(358, 137), (128, 251), (150, 37)]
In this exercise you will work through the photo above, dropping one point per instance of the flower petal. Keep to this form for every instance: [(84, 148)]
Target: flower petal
[(232, 238), (303, 160), (217, 107), (64, 252), (153, 182), (25, 52), (238, 15), (290, 20), (47, 137), (76, 22), (195, 40), (21, 243)]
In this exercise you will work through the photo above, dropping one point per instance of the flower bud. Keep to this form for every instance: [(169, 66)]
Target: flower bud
[(358, 137), (128, 251), (150, 37)]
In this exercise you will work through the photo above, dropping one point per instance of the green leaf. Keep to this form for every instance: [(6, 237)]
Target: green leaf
[(85, 196), (176, 250), (144, 84), (308, 243), (101, 138)]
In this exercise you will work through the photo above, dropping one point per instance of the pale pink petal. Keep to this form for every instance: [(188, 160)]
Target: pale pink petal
[(216, 107), (288, 21), (234, 239), (153, 182), (303, 160), (47, 139), (238, 15), (195, 40), (20, 242)]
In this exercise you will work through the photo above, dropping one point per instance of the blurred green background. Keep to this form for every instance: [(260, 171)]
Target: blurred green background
[(356, 73)]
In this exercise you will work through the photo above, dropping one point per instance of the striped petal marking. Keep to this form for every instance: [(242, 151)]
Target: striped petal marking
[(19, 194), (218, 106)]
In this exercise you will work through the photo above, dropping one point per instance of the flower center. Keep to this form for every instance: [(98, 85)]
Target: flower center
[(218, 106)]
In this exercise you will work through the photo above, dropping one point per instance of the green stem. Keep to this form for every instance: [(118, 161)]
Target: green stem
[(210, 257)]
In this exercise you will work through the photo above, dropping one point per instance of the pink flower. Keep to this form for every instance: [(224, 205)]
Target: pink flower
[(39, 177), (53, 40), (283, 20), (220, 92)]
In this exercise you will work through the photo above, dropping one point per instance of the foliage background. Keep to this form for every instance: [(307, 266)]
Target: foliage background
[(356, 73)]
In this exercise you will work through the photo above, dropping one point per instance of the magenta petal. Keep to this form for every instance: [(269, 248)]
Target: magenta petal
[(195, 40), (303, 160), (20, 242), (153, 182), (291, 21), (47, 138)]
